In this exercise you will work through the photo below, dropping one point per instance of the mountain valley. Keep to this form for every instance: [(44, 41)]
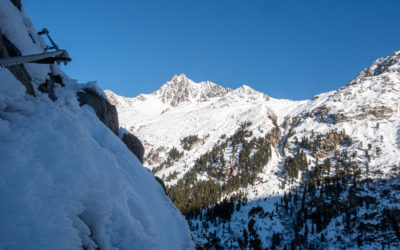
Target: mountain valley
[(249, 170)]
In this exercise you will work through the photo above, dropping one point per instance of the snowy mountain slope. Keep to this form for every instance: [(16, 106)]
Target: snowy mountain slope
[(161, 125), (351, 135), (367, 109), (66, 181)]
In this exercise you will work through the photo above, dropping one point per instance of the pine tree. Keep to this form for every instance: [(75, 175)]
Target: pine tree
[(306, 232), (245, 238)]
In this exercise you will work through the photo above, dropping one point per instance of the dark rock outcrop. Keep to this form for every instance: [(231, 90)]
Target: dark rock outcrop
[(383, 65), (17, 3), (49, 84), (134, 145), (328, 143), (105, 111), (8, 49), (159, 180)]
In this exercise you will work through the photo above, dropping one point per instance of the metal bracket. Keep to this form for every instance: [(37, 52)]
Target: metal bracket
[(46, 32)]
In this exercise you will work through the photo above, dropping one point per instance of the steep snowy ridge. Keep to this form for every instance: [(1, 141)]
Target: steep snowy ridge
[(354, 129), (66, 180)]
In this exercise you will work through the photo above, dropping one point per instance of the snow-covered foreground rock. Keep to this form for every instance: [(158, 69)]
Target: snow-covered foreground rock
[(66, 180), (249, 170)]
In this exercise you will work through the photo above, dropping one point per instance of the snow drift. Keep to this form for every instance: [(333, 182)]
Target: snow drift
[(66, 181)]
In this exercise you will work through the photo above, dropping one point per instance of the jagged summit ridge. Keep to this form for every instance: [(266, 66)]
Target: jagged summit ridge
[(181, 89), (385, 65), (388, 64)]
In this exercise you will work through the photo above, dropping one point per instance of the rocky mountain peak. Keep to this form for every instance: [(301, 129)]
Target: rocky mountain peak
[(249, 93), (385, 65), (247, 90), (182, 89), (181, 78), (388, 64)]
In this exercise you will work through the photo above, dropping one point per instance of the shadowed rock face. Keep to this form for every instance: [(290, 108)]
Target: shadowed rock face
[(134, 145), (106, 112), (8, 49), (159, 180), (17, 3), (49, 84)]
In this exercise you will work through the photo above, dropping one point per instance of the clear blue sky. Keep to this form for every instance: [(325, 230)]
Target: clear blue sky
[(286, 49)]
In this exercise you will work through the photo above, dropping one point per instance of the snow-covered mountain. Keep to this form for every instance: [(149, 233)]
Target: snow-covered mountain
[(161, 123), (67, 181), (181, 89), (282, 164)]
